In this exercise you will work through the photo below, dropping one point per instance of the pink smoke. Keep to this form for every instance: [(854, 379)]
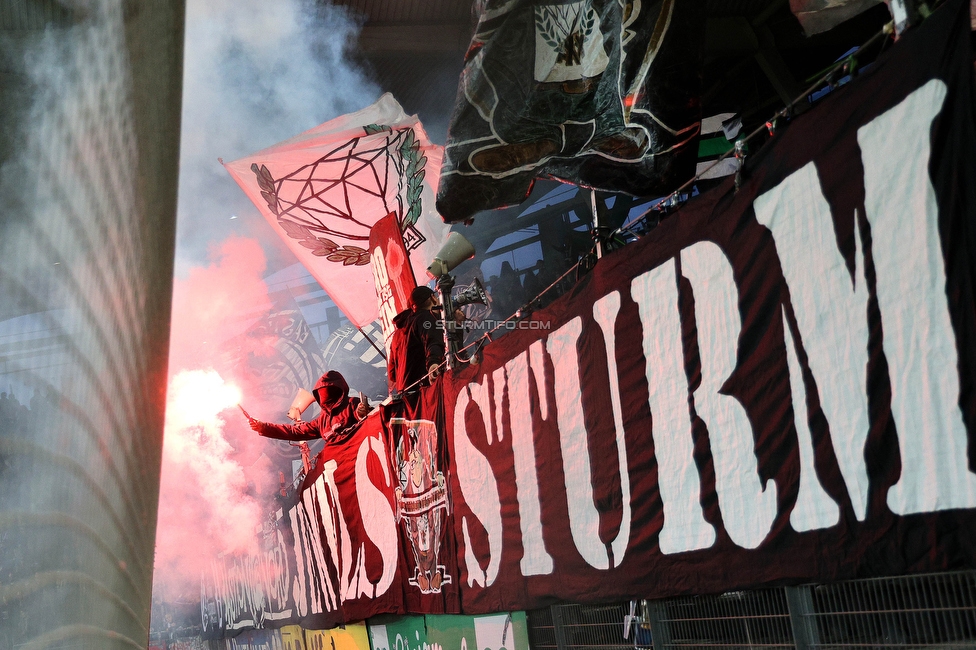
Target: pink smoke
[(215, 476), (217, 302)]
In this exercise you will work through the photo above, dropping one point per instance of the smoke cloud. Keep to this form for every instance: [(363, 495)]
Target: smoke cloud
[(209, 505), (207, 509), (255, 73)]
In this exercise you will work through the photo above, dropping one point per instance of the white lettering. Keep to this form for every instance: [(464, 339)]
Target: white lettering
[(584, 518), (378, 518), (831, 313), (919, 343), (498, 389), (535, 559), (537, 363), (384, 294), (300, 591), (814, 508), (605, 314), (478, 486), (748, 507), (685, 528)]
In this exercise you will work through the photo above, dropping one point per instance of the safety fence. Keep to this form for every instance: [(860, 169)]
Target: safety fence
[(922, 611)]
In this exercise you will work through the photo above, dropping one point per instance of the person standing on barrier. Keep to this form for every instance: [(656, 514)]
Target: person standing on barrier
[(417, 347)]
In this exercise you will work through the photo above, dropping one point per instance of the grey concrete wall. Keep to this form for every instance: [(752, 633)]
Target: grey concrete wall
[(90, 96)]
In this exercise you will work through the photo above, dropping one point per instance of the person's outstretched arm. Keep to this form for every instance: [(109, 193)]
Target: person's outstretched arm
[(294, 432)]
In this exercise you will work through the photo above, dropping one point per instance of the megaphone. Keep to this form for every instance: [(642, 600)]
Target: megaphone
[(301, 402), (454, 251), (473, 294)]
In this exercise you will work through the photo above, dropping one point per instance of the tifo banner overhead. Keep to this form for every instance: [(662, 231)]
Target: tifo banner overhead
[(323, 190), (598, 93), (780, 382)]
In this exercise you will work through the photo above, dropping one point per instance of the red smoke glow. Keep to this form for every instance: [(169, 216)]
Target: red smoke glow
[(215, 474)]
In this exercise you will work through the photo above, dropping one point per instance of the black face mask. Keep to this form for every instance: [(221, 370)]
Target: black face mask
[(332, 395)]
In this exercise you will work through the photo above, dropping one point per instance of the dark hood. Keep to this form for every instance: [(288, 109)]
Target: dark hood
[(401, 319), (331, 379)]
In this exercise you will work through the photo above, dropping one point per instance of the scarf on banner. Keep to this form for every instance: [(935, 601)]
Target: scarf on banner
[(428, 553)]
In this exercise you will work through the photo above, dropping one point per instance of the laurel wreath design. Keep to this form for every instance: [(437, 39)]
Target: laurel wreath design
[(555, 26), (414, 163)]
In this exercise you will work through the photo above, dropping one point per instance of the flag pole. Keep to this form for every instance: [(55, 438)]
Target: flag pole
[(373, 343)]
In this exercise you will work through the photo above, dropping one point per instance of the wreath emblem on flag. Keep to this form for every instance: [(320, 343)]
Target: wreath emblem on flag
[(313, 204)]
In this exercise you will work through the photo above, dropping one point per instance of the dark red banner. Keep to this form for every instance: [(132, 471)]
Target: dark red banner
[(344, 533), (777, 384)]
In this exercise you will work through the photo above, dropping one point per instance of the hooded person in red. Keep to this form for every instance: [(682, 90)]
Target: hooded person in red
[(339, 413)]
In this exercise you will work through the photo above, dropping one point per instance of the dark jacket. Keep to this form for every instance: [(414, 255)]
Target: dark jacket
[(418, 343), (338, 413)]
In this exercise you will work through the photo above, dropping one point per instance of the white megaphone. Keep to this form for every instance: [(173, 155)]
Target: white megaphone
[(454, 251), (303, 399)]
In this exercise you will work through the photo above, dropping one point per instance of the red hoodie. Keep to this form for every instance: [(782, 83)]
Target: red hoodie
[(338, 413)]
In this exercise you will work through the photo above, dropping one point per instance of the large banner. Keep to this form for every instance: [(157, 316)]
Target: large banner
[(776, 385), (594, 92)]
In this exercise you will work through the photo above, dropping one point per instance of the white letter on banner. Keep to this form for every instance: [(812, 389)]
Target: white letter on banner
[(478, 487), (535, 560), (831, 312), (814, 508), (300, 591), (919, 342), (536, 361), (314, 501), (748, 508), (685, 528), (337, 533), (584, 518), (605, 314), (498, 387), (379, 521)]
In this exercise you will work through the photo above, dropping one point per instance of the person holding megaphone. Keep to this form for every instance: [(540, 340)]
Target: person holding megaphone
[(340, 413), (417, 347)]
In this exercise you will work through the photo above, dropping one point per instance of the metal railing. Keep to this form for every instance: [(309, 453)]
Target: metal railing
[(922, 611)]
